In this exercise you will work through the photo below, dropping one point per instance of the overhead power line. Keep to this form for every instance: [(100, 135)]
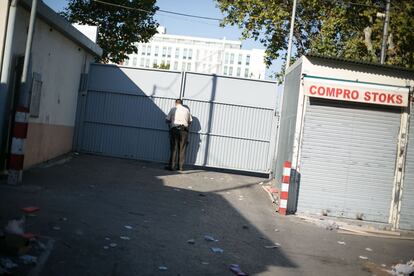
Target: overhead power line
[(163, 11)]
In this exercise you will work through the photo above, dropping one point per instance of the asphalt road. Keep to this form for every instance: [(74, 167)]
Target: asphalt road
[(90, 202)]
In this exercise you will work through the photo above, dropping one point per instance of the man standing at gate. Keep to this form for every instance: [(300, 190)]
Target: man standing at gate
[(179, 120)]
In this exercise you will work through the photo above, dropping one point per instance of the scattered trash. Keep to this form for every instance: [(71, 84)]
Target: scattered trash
[(125, 238), (217, 250), (64, 219), (28, 259), (106, 247), (7, 263), (276, 245), (113, 244), (190, 187), (173, 215), (15, 226), (276, 230), (203, 210), (107, 238), (245, 227), (205, 263), (384, 265), (76, 153), (162, 268), (129, 226), (403, 269), (177, 190), (41, 245), (341, 242), (368, 249), (211, 178), (30, 209), (363, 257), (332, 226), (210, 238), (191, 241), (235, 268), (203, 195), (56, 228), (261, 183)]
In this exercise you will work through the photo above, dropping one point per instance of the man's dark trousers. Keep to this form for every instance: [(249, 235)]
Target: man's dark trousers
[(178, 141)]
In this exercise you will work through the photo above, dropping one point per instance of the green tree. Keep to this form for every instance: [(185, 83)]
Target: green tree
[(119, 28), (338, 28), (165, 66)]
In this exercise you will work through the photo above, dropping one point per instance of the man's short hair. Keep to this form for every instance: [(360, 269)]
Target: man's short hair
[(179, 101)]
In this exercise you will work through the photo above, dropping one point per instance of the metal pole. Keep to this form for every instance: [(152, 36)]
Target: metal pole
[(292, 24), (29, 42), (385, 32)]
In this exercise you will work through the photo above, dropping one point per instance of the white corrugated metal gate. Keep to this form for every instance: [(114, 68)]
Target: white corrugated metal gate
[(407, 201), (348, 152), (122, 113)]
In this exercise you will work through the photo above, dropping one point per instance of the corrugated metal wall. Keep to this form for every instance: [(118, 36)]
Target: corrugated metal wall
[(288, 119), (348, 152), (234, 122), (407, 203)]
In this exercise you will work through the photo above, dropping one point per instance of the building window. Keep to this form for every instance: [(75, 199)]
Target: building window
[(225, 70), (147, 63), (176, 65), (164, 51), (183, 66), (190, 53), (185, 53), (156, 51), (177, 52), (142, 63), (239, 60), (226, 58), (148, 50), (134, 61), (246, 72), (144, 50), (189, 66), (169, 52), (231, 58), (198, 54), (248, 60), (238, 71), (230, 71)]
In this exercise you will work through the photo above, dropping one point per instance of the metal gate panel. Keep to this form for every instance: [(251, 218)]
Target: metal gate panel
[(407, 203), (348, 159), (123, 115)]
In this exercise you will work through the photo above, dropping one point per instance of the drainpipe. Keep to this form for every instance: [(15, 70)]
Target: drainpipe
[(4, 35), (5, 76), (28, 49)]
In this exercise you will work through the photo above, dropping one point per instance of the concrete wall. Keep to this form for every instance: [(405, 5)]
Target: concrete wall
[(60, 61)]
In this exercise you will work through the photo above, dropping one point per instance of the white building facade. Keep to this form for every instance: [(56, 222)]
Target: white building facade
[(202, 55)]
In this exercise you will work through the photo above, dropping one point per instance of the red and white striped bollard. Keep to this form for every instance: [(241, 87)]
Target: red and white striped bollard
[(284, 192)]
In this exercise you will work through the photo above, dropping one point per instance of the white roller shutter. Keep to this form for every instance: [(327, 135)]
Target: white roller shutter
[(348, 159), (407, 204)]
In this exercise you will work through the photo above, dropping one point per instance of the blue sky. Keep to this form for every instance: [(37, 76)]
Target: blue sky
[(189, 26)]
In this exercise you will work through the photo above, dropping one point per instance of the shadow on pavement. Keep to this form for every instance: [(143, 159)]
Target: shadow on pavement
[(91, 199)]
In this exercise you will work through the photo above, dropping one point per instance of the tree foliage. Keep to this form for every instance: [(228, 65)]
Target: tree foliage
[(165, 66), (118, 28), (339, 28)]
